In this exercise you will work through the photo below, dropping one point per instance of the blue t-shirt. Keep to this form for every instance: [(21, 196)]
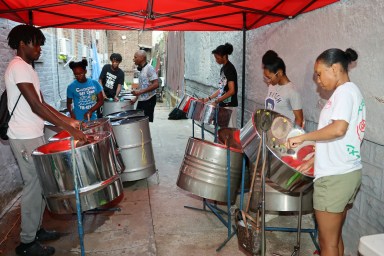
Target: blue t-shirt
[(84, 96)]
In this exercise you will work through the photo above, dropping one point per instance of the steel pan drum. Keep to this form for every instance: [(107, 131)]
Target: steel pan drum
[(196, 110), (125, 114), (50, 130), (204, 170), (185, 103), (223, 115), (278, 200), (98, 125), (116, 106), (281, 166), (250, 139), (135, 146), (99, 182)]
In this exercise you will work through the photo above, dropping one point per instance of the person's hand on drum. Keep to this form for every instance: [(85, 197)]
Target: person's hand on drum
[(307, 166), (133, 101), (87, 116), (78, 135), (136, 92), (293, 142)]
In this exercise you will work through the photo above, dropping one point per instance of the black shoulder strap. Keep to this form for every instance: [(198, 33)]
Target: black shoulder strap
[(15, 105)]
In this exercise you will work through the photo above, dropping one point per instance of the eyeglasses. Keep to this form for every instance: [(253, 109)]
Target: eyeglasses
[(268, 79)]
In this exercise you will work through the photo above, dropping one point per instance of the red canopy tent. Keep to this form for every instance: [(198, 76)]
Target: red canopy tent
[(165, 15)]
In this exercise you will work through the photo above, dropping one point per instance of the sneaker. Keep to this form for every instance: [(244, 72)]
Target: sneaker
[(44, 235), (34, 249)]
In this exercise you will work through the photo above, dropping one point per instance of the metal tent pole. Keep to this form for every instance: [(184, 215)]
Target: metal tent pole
[(78, 202)]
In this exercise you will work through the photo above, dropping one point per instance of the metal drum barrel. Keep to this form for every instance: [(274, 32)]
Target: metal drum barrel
[(135, 145), (99, 182), (116, 106), (204, 170), (278, 200)]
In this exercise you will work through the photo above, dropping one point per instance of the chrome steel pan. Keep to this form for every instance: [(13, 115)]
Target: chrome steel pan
[(203, 171), (99, 182)]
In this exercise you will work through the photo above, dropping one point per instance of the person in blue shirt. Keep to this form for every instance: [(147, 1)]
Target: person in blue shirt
[(85, 93)]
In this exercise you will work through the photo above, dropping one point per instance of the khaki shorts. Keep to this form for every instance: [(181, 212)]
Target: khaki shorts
[(334, 193)]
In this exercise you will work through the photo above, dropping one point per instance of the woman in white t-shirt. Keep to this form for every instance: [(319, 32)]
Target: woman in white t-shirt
[(337, 160), (282, 95)]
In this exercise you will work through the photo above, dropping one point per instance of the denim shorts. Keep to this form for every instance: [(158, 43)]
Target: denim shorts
[(334, 193)]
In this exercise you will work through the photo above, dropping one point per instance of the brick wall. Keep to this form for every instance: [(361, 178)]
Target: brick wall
[(127, 43), (348, 23)]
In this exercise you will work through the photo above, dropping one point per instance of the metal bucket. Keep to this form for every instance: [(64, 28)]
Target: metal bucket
[(281, 171), (204, 170), (116, 106), (278, 200), (135, 146), (209, 116), (125, 114), (185, 103), (99, 182), (196, 110)]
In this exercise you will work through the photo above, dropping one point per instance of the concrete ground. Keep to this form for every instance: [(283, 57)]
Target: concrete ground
[(153, 220)]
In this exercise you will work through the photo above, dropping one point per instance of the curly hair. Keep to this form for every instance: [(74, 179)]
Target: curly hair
[(26, 34), (83, 64)]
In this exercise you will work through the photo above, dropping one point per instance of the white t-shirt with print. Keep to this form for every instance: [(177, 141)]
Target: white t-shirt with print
[(341, 155), (24, 124), (283, 99)]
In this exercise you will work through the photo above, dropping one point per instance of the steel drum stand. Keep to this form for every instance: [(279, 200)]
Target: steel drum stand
[(312, 232), (78, 202), (231, 230), (265, 126)]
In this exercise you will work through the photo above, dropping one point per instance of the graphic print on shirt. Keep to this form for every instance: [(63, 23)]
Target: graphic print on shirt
[(110, 80), (222, 83), (360, 129), (361, 126), (87, 97), (272, 99)]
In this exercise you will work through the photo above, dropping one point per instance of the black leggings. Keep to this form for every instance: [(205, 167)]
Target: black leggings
[(148, 106)]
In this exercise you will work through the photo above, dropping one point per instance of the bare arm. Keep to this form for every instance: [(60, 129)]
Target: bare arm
[(69, 107), (299, 117), (229, 93), (153, 86), (118, 90), (214, 95), (48, 113), (99, 103), (336, 129)]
